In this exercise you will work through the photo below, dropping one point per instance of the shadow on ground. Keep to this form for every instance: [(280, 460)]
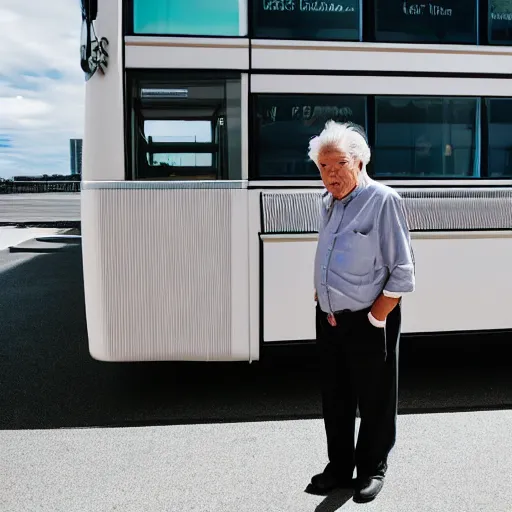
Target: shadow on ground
[(49, 380)]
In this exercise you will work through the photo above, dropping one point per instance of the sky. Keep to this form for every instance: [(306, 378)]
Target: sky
[(42, 87)]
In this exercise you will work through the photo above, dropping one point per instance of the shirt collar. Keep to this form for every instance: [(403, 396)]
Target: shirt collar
[(329, 200), (352, 194)]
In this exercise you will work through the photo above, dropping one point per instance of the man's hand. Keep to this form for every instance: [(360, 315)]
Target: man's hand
[(383, 306), (316, 297)]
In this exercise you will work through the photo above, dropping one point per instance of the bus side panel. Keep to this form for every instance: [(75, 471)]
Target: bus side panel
[(92, 268), (463, 283), (288, 289), (103, 149), (160, 280)]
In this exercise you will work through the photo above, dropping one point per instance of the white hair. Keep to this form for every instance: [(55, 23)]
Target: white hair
[(346, 137)]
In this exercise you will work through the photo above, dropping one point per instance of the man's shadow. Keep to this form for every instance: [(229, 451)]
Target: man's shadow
[(333, 501)]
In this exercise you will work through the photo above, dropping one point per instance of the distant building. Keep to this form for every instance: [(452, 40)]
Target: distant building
[(75, 153)]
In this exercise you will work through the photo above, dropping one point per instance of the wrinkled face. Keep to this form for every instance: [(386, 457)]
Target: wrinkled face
[(339, 171)]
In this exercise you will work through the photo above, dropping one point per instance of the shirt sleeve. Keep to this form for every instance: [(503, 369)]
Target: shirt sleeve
[(395, 242)]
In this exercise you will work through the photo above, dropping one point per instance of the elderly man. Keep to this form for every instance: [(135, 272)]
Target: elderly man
[(363, 266)]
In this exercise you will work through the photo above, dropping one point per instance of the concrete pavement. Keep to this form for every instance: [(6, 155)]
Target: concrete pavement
[(457, 462), (11, 236)]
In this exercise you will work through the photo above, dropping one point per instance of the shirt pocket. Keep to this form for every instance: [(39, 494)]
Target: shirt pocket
[(354, 254)]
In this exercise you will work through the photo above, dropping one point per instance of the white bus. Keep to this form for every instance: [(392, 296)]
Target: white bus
[(199, 204)]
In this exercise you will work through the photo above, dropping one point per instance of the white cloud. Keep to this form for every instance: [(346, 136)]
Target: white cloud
[(18, 109), (41, 85)]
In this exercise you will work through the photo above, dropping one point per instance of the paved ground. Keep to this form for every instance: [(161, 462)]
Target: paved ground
[(12, 236), (442, 462), (50, 207)]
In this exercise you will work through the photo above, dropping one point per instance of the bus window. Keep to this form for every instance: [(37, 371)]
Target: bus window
[(443, 22), (191, 18), (176, 134), (499, 115), (499, 19), (426, 137), (186, 129), (284, 124)]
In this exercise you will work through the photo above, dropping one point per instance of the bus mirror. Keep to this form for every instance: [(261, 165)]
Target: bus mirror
[(89, 10)]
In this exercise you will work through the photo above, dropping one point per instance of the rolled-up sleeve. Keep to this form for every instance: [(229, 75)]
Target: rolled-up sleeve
[(396, 250)]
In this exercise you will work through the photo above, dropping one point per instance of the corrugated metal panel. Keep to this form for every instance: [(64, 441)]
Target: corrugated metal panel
[(426, 210), (146, 253), (461, 209), (297, 212)]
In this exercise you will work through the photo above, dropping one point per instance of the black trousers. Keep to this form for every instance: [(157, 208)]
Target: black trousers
[(359, 366)]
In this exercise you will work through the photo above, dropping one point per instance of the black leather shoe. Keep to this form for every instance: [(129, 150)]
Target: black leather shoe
[(325, 482), (368, 488)]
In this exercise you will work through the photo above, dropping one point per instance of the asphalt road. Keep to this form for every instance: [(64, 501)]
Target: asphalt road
[(39, 208), (49, 380)]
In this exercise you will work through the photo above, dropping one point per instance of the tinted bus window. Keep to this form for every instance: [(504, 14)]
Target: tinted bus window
[(286, 123), (426, 137), (439, 21), (500, 21), (499, 114), (307, 19)]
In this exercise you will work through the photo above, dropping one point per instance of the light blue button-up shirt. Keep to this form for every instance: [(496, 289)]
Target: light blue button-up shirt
[(364, 249)]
